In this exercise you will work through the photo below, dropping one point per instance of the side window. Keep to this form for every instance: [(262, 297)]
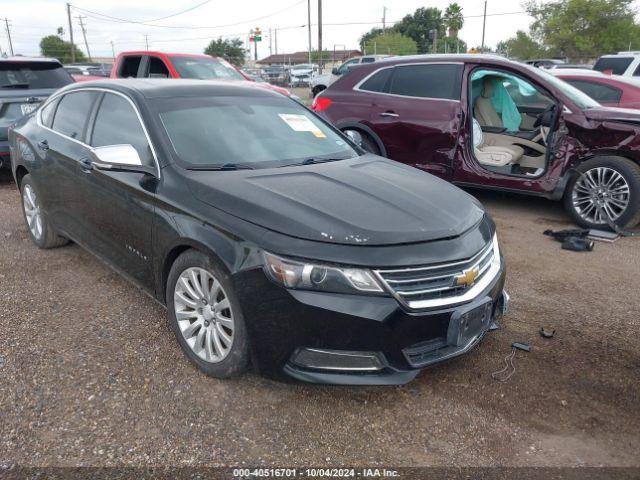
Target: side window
[(129, 67), (47, 113), (72, 114), (636, 73), (598, 91), (427, 81), (157, 68), (378, 81), (118, 124), (368, 59)]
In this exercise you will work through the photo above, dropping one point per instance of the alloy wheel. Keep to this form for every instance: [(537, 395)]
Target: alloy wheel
[(599, 193), (204, 314), (32, 211)]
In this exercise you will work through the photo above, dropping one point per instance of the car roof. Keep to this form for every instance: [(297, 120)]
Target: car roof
[(163, 88), (18, 58), (577, 71), (586, 74), (455, 57), (157, 52)]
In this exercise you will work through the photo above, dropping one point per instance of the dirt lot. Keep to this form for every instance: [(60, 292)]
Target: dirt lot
[(92, 375)]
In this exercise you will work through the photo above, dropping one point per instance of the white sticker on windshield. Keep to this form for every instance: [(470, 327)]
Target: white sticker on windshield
[(301, 123)]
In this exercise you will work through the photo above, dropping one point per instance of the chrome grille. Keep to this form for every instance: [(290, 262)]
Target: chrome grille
[(437, 285)]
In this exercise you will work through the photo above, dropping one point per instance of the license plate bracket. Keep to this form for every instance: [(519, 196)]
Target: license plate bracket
[(468, 323)]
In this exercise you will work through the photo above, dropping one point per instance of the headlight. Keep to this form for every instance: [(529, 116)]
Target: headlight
[(324, 278)]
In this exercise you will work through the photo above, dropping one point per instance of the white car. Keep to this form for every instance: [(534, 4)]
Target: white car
[(626, 64), (321, 82), (301, 75)]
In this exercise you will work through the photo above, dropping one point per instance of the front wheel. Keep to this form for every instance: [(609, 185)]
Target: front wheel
[(605, 188), (205, 315)]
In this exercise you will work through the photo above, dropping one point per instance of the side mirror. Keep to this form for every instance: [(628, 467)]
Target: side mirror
[(354, 136), (335, 71), (123, 158)]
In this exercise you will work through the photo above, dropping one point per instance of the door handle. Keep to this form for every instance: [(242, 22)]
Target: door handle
[(389, 114), (86, 165), (43, 145)]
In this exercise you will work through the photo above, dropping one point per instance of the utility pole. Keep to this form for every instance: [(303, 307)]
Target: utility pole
[(320, 37), (146, 41), (384, 19), (484, 24), (84, 34), (113, 50), (73, 46), (270, 45), (6, 24), (276, 39), (309, 26)]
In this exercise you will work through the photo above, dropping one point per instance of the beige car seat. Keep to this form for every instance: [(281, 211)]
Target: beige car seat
[(494, 155), (483, 109)]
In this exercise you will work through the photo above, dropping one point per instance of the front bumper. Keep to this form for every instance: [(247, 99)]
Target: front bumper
[(5, 159), (283, 323)]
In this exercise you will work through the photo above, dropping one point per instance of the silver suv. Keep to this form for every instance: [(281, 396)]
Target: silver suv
[(321, 82)]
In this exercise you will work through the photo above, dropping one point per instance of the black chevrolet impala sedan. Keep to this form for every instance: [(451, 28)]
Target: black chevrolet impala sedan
[(272, 239)]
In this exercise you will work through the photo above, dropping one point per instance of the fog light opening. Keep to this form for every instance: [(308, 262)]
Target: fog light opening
[(339, 360)]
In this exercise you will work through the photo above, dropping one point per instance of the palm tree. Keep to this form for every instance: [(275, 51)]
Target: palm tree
[(453, 19)]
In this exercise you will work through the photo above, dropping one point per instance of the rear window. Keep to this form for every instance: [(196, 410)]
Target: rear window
[(205, 68), (378, 81), (33, 75), (599, 92), (427, 81), (129, 67), (617, 65)]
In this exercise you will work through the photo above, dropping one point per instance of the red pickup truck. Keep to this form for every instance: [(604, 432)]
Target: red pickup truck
[(151, 64)]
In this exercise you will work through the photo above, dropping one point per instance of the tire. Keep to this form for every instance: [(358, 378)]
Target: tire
[(38, 225), (201, 347), (588, 188), (317, 89), (368, 143)]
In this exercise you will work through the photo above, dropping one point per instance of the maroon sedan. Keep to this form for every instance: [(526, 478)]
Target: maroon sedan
[(609, 90), (488, 122)]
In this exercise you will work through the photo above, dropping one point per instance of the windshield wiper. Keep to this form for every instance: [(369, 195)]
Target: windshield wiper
[(15, 85), (313, 161), (229, 166)]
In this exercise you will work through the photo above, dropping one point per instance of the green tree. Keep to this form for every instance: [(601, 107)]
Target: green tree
[(419, 25), (231, 50), (366, 38), (453, 19), (451, 45), (55, 47), (579, 29), (521, 47), (391, 43)]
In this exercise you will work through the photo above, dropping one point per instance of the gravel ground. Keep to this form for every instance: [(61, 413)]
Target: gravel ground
[(92, 375)]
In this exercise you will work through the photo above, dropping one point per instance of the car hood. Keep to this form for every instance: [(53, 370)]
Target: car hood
[(323, 79), (365, 201), (612, 114)]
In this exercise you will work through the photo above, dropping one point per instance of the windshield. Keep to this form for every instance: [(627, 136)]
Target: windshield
[(205, 68), (616, 65), (248, 131), (33, 75), (303, 66), (581, 99)]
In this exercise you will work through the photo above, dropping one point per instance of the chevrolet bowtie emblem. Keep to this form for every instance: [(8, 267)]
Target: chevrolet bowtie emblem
[(468, 277)]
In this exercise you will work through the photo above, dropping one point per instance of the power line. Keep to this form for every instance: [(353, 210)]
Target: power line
[(181, 12), (123, 20)]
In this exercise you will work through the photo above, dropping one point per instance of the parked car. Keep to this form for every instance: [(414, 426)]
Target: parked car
[(92, 69), (622, 63), (266, 233), (488, 122), (151, 64), (276, 74), (321, 82), (545, 62), (301, 75), (609, 90), (24, 83)]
